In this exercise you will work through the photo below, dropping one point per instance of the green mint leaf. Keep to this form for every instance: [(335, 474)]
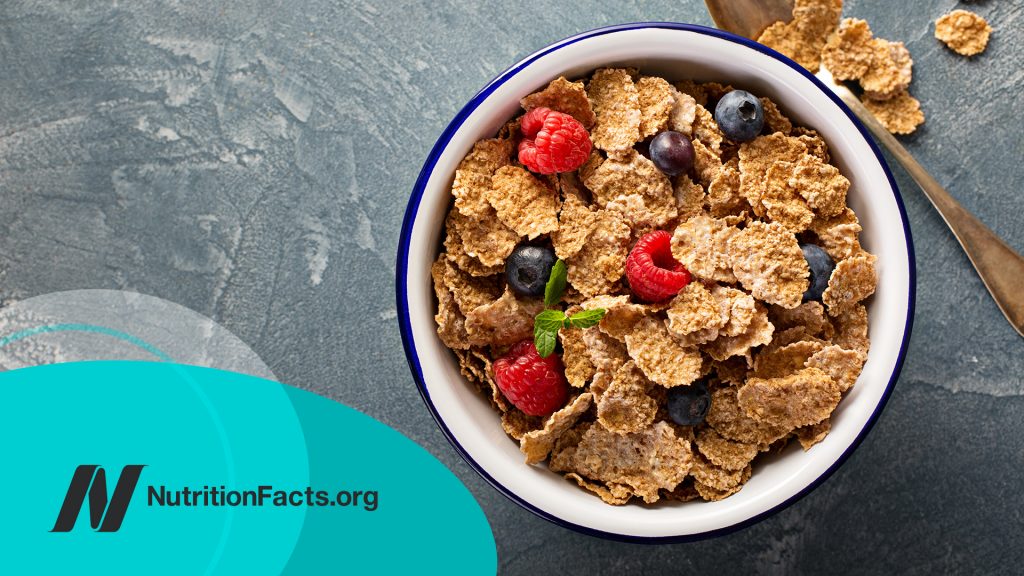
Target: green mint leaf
[(556, 283), (545, 331), (586, 318), (545, 342)]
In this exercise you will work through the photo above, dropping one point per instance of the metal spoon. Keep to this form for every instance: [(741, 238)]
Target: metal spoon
[(1000, 267)]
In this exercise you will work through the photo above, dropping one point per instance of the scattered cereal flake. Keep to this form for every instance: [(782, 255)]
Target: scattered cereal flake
[(485, 239), (456, 252), (729, 420), (606, 353), (853, 280), (683, 113), (660, 357), (849, 52), (803, 38), (815, 144), (838, 235), (900, 114), (612, 493), (758, 333), (715, 90), (620, 315), (616, 104), (800, 399), (523, 203), (475, 365), (625, 406), (737, 307), (963, 32), (579, 369), (601, 262), (774, 119), (890, 72), (503, 322), (757, 156), (778, 361), (657, 99), (851, 327), (811, 435), (644, 461), (575, 222), (689, 198), (693, 90), (706, 130), (708, 474), (724, 198), (631, 174), (451, 324), (473, 176), (563, 96), (810, 316), (843, 366), (700, 244), (821, 185), (694, 309), (593, 162), (469, 291), (713, 495), (517, 423), (782, 201), (724, 453), (768, 262), (537, 444), (706, 163)]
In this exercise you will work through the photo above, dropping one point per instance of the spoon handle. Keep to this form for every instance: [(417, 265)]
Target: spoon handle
[(1000, 267)]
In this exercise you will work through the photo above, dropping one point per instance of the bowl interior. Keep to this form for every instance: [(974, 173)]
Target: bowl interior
[(675, 53)]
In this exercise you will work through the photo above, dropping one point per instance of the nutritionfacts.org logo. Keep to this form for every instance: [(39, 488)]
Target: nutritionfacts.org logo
[(106, 514)]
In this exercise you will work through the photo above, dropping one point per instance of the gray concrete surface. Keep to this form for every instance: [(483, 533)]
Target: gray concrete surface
[(252, 161)]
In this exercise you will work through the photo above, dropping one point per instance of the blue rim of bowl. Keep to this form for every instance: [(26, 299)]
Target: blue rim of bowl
[(405, 324)]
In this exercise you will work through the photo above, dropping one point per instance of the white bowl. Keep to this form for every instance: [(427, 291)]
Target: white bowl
[(675, 51)]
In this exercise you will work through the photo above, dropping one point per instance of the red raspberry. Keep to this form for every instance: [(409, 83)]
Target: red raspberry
[(533, 384), (554, 142), (653, 273)]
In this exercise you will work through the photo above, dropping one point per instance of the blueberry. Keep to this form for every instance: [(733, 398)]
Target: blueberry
[(821, 266), (740, 116), (672, 152), (688, 405), (527, 269)]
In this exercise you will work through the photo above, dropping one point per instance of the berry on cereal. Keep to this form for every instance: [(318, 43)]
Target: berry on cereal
[(688, 405), (528, 268), (552, 142), (821, 265), (740, 116), (535, 385), (672, 153), (653, 273)]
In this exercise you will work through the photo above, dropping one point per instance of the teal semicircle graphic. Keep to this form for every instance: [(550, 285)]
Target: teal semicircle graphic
[(129, 467)]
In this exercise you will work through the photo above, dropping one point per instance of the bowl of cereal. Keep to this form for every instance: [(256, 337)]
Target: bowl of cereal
[(655, 282)]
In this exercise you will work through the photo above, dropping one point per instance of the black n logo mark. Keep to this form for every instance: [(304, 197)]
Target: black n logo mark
[(104, 515)]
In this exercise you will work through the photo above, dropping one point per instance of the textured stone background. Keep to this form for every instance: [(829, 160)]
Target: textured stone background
[(252, 161)]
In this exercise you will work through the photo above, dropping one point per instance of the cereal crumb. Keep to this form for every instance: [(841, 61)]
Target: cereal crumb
[(537, 444), (900, 114), (853, 280), (768, 262), (523, 203), (799, 399), (563, 96), (963, 32), (616, 105)]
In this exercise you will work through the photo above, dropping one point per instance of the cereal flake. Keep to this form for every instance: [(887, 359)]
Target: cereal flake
[(657, 99), (660, 357), (625, 407), (800, 399), (616, 105), (963, 32), (537, 444), (523, 203), (768, 262), (563, 96), (853, 280), (900, 114)]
